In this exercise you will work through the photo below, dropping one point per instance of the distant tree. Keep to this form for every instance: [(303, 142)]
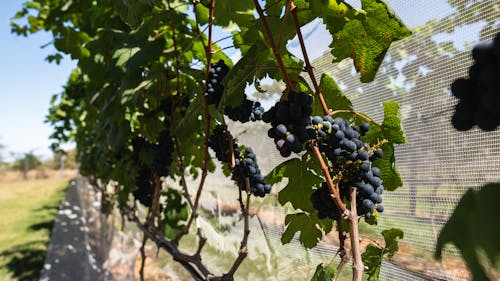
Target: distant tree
[(68, 158), (26, 162)]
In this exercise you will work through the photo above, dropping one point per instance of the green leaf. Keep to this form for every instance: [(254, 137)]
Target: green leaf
[(391, 237), (301, 180), (374, 254), (324, 273), (392, 131), (388, 169), (245, 71), (392, 127), (331, 8), (365, 38), (72, 42), (238, 11), (372, 259), (201, 14), (472, 226), (175, 212), (334, 97), (309, 226)]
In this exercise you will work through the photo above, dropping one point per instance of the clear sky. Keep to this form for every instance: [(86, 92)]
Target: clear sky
[(27, 81), (26, 84)]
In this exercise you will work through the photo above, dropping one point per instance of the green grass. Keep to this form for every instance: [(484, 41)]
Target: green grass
[(27, 212)]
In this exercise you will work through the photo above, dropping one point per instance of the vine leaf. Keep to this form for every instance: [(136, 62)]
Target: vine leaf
[(374, 254), (309, 226), (472, 226), (392, 131), (324, 273), (331, 8), (72, 42), (132, 12), (301, 179), (364, 38), (388, 169), (392, 127), (202, 14), (334, 97), (176, 212), (229, 10), (243, 72)]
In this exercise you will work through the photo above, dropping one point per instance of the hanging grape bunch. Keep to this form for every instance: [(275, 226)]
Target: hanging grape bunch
[(215, 89), (159, 164), (245, 163), (247, 111), (290, 121), (352, 164), (479, 95), (144, 190)]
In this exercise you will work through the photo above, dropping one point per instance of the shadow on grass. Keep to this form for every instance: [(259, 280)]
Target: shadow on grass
[(25, 261), (43, 225)]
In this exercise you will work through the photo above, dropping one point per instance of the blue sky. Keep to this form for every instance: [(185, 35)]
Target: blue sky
[(27, 81), (26, 84)]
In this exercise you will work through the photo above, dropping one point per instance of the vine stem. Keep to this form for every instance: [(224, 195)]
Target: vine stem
[(361, 115), (191, 263), (243, 252), (206, 155), (357, 262), (275, 50), (351, 215), (289, 84), (334, 190), (344, 254), (308, 68), (143, 257), (180, 165)]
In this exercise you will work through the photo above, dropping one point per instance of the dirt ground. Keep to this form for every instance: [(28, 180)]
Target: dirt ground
[(11, 176)]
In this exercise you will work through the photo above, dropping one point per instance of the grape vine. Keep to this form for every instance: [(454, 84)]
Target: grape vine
[(152, 92)]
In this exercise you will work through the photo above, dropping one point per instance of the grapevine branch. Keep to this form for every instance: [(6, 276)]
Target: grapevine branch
[(243, 252), (357, 265), (352, 214), (352, 217), (290, 86), (361, 115), (333, 187), (143, 256), (275, 50), (344, 254), (169, 247), (208, 54), (308, 66), (180, 165)]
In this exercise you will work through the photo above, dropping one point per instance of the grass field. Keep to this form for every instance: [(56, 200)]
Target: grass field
[(27, 212)]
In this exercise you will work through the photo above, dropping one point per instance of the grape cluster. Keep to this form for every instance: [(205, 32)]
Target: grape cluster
[(247, 111), (290, 120), (323, 203), (351, 158), (479, 95), (162, 150), (245, 163), (144, 191), (215, 89), (163, 153), (219, 143), (246, 167)]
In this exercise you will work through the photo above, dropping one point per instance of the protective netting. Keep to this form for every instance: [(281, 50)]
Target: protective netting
[(437, 165)]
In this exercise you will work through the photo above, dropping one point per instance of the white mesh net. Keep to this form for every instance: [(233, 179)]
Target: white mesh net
[(437, 165)]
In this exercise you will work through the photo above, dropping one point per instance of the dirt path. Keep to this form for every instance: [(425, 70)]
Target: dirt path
[(70, 256)]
